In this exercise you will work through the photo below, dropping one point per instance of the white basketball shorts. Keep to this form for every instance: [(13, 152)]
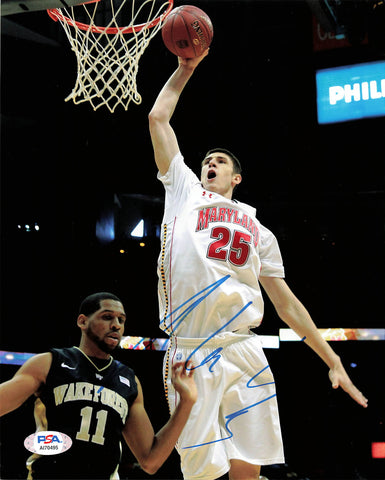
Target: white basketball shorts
[(236, 414)]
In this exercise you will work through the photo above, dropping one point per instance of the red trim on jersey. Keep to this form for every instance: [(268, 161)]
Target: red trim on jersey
[(170, 277)]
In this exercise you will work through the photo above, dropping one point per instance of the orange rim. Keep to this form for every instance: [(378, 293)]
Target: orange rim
[(56, 15)]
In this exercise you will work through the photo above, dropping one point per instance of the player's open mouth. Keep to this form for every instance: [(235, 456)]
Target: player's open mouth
[(211, 174)]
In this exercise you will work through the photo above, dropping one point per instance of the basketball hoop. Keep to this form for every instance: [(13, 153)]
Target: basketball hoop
[(108, 57)]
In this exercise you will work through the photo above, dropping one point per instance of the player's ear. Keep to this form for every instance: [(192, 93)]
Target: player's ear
[(82, 321), (237, 179)]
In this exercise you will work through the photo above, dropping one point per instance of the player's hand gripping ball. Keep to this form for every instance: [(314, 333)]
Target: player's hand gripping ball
[(187, 31)]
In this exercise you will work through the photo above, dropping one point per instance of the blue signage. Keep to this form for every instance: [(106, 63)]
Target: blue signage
[(351, 92)]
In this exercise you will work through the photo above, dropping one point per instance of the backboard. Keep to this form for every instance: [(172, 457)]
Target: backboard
[(11, 7)]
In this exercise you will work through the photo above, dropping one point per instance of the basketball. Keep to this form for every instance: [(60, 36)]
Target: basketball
[(187, 31)]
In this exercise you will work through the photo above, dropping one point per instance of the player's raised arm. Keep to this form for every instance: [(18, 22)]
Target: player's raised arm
[(163, 137), (26, 381)]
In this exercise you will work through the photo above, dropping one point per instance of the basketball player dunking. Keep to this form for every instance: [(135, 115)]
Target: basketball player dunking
[(214, 256)]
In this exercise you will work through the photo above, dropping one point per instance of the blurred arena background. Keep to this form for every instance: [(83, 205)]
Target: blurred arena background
[(76, 183)]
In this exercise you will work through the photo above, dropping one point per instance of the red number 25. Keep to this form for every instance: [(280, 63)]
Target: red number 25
[(234, 248)]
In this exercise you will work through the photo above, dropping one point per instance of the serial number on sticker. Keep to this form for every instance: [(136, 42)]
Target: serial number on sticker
[(48, 447)]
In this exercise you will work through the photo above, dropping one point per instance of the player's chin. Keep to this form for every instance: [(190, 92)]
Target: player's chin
[(108, 347)]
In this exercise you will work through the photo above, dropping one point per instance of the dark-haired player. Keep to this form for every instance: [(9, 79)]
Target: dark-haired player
[(86, 394), (215, 254)]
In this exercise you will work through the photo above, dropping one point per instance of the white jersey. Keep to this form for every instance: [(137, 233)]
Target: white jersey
[(213, 250)]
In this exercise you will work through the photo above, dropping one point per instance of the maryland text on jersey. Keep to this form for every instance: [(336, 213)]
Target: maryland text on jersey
[(228, 215)]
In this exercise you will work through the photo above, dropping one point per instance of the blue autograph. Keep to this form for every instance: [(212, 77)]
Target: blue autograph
[(199, 299), (215, 354), (237, 413), (174, 324), (187, 307), (229, 418)]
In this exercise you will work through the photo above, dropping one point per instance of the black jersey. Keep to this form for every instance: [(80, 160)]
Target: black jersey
[(90, 403)]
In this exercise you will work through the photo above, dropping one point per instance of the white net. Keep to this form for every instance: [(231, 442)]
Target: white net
[(108, 57)]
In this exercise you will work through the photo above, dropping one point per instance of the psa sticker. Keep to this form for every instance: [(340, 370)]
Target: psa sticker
[(48, 443)]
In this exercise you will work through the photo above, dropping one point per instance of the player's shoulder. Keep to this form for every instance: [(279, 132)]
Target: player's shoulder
[(64, 352), (67, 355), (124, 369), (37, 366), (178, 167), (126, 376), (249, 209)]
